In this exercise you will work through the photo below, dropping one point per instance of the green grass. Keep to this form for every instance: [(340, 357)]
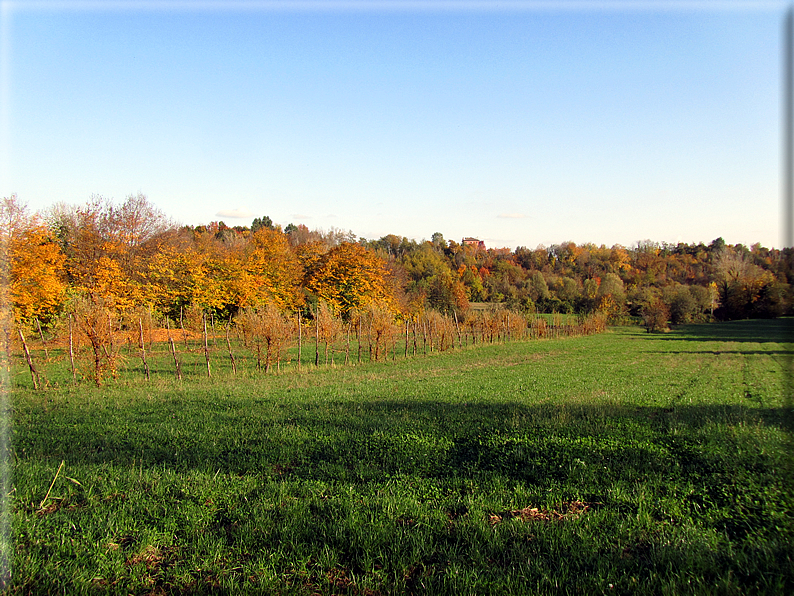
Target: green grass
[(657, 463)]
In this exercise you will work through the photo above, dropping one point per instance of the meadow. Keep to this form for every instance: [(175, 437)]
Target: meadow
[(618, 463)]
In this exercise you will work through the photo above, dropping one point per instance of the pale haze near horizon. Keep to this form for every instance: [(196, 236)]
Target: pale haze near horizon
[(519, 127)]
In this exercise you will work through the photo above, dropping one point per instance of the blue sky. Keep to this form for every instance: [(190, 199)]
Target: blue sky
[(523, 125)]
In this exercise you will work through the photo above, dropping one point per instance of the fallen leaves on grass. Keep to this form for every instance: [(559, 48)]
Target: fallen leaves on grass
[(456, 511), (51, 508), (124, 543), (57, 504), (568, 510), (317, 582), (152, 557), (155, 562), (103, 582)]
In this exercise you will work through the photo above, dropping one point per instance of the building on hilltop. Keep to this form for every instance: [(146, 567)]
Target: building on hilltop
[(473, 242)]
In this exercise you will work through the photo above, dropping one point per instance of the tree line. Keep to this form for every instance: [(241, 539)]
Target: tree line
[(129, 256)]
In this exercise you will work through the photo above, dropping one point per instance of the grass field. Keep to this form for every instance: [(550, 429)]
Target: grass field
[(618, 463)]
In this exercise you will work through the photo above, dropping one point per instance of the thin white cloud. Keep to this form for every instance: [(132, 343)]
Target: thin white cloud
[(300, 216), (499, 243), (235, 213), (511, 216)]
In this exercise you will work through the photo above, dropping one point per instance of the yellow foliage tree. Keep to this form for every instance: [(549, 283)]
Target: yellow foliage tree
[(97, 259), (31, 264), (350, 277), (168, 278), (36, 284), (178, 276), (269, 272)]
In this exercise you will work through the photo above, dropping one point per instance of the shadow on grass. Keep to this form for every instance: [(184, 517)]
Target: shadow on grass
[(716, 467), (755, 330), (362, 442), (784, 353)]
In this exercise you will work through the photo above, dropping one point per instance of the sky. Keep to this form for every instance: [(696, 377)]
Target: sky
[(519, 123)]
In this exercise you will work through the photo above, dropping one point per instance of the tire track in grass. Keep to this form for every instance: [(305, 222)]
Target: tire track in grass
[(690, 386), (748, 385), (763, 371)]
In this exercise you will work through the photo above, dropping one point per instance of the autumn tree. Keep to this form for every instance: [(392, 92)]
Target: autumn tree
[(139, 227), (655, 315), (392, 246), (610, 296), (349, 277), (37, 280), (740, 282), (298, 235), (268, 333), (98, 334), (173, 276), (429, 275), (270, 272), (204, 272), (448, 294), (34, 264), (97, 260)]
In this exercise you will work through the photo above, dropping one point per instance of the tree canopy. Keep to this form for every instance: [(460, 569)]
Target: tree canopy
[(130, 255)]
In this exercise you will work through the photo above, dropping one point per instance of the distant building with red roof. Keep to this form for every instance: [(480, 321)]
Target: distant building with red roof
[(473, 242)]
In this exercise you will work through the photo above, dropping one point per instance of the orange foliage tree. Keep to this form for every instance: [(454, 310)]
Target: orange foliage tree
[(37, 282), (33, 263), (95, 256), (269, 272), (200, 273), (350, 277)]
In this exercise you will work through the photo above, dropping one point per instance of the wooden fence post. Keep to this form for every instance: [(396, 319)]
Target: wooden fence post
[(43, 343), (177, 367), (358, 337), (71, 350), (206, 346), (151, 331), (229, 345), (347, 345), (33, 372), (143, 348), (182, 326), (300, 339), (317, 335)]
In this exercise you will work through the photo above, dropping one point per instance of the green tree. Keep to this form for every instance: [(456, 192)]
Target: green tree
[(655, 315), (539, 289), (610, 297), (681, 304), (262, 222)]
